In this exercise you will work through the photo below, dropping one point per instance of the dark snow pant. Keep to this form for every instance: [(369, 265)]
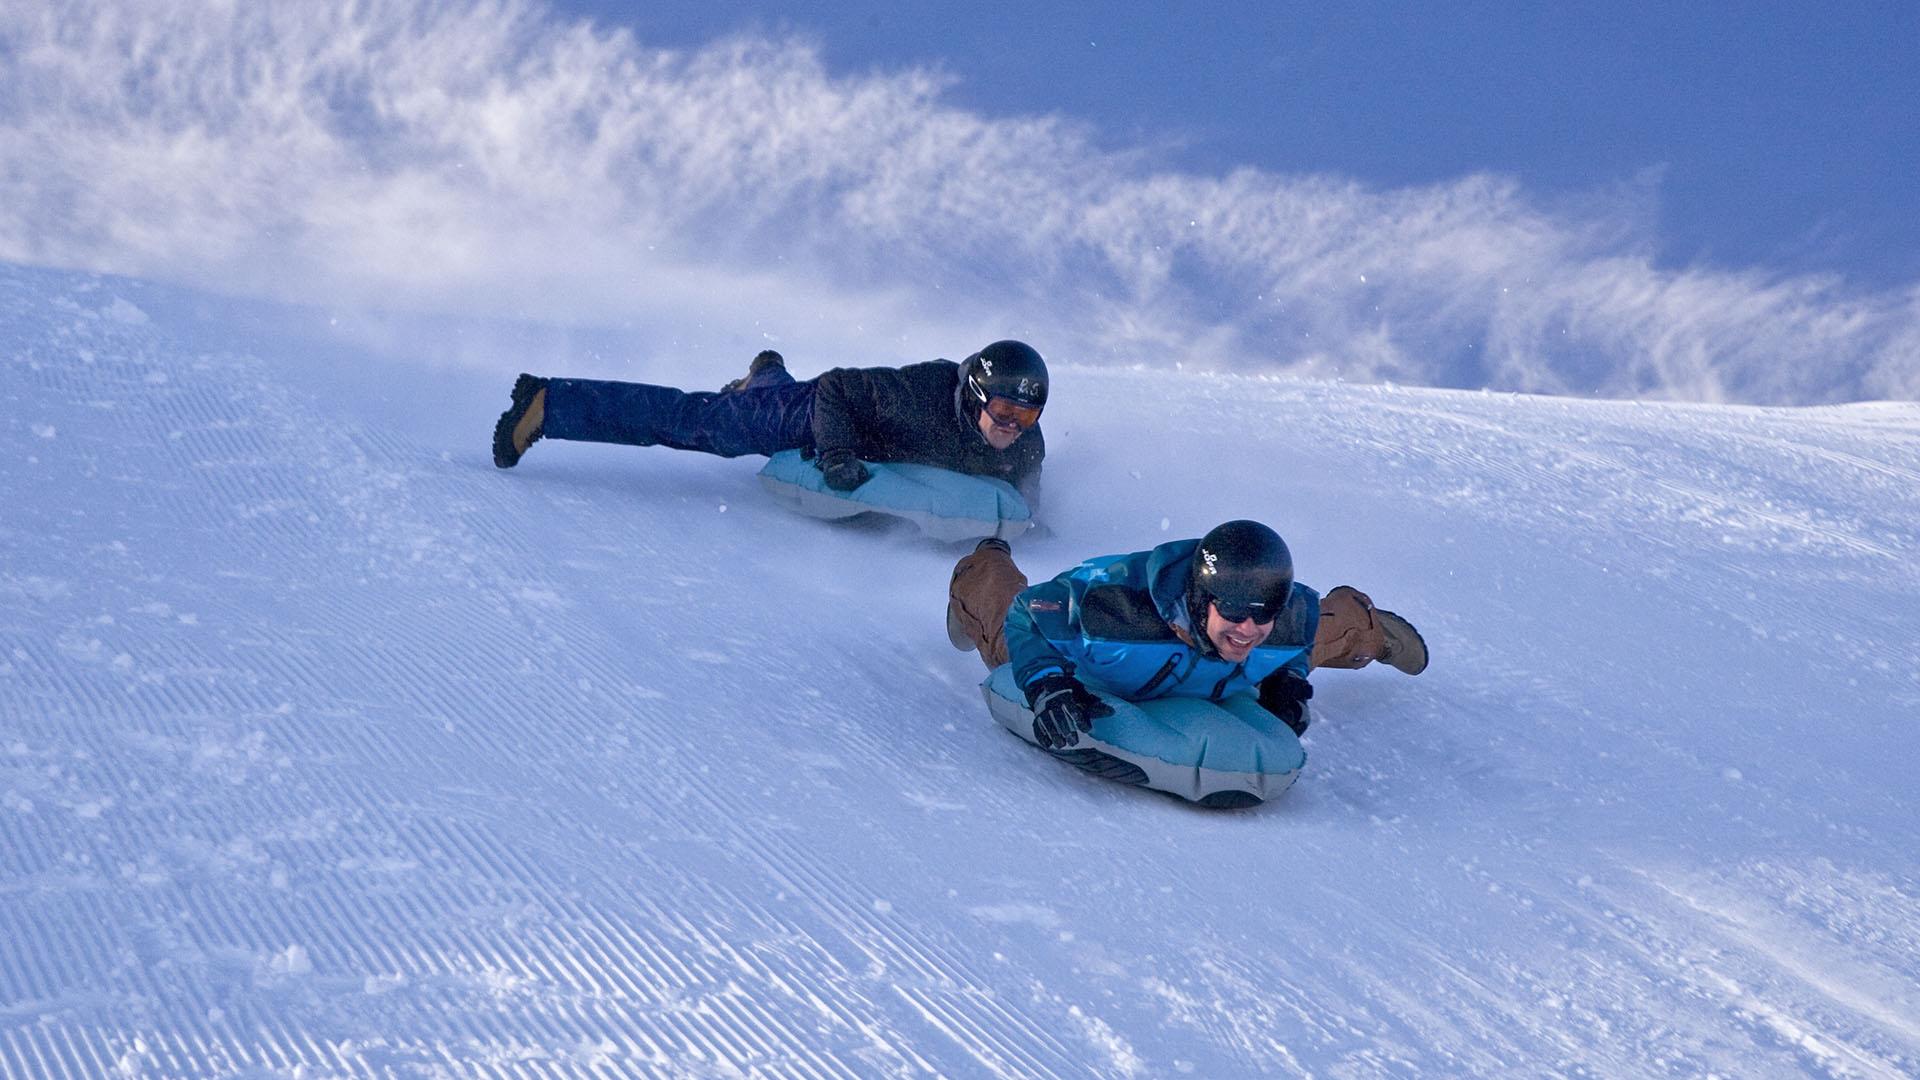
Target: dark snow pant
[(986, 582), (773, 412)]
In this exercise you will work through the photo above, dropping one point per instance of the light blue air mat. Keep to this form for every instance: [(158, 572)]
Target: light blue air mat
[(946, 505), (1230, 754)]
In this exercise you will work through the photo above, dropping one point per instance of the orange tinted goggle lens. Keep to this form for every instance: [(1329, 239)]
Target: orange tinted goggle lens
[(1009, 411)]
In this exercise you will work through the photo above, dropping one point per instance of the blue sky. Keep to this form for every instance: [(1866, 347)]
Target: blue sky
[(1662, 206), (1776, 134)]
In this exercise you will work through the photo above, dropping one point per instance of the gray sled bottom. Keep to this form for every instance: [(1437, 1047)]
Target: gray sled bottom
[(1212, 788)]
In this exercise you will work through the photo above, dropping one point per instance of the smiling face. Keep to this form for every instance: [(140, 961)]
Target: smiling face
[(998, 435), (1235, 640)]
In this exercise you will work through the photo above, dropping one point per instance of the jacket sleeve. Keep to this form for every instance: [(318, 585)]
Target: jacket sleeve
[(851, 402), (1041, 632), (1026, 474)]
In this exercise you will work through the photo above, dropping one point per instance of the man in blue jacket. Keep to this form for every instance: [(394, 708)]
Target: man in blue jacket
[(980, 416), (1205, 618)]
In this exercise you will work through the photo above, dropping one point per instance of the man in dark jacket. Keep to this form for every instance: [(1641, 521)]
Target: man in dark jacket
[(979, 417)]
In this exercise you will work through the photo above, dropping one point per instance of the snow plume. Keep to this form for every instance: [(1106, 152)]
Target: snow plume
[(491, 157)]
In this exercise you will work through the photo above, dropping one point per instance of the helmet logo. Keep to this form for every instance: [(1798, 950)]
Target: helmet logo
[(1211, 560), (986, 365)]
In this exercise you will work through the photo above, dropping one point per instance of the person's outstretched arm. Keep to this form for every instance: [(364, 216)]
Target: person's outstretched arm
[(850, 407)]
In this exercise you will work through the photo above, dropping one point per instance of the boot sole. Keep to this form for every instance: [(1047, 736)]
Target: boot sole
[(1406, 649), (957, 633), (525, 389)]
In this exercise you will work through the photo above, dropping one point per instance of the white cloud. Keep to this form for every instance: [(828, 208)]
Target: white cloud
[(490, 158)]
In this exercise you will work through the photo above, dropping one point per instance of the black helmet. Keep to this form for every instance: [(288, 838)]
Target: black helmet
[(1005, 369), (1243, 568)]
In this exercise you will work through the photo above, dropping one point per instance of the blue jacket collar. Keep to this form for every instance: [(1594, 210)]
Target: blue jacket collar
[(1169, 567)]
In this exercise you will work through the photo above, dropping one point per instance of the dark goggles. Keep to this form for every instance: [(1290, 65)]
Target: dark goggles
[(1008, 411), (1242, 610)]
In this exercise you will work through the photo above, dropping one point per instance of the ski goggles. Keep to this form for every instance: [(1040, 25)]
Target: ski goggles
[(1010, 412), (1242, 610)]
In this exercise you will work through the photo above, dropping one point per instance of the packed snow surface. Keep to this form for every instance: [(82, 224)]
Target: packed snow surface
[(327, 749)]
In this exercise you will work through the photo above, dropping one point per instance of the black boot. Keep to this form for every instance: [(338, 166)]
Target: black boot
[(520, 426)]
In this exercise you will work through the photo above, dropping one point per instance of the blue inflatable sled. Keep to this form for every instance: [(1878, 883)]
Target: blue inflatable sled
[(945, 505), (1225, 756)]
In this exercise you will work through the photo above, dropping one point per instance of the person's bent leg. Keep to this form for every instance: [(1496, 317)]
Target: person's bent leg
[(984, 586), (758, 421)]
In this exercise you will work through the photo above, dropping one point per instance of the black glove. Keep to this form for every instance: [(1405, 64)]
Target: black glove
[(1062, 709), (1284, 694), (843, 471)]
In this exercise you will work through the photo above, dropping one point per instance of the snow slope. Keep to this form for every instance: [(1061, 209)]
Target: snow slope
[(328, 749)]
